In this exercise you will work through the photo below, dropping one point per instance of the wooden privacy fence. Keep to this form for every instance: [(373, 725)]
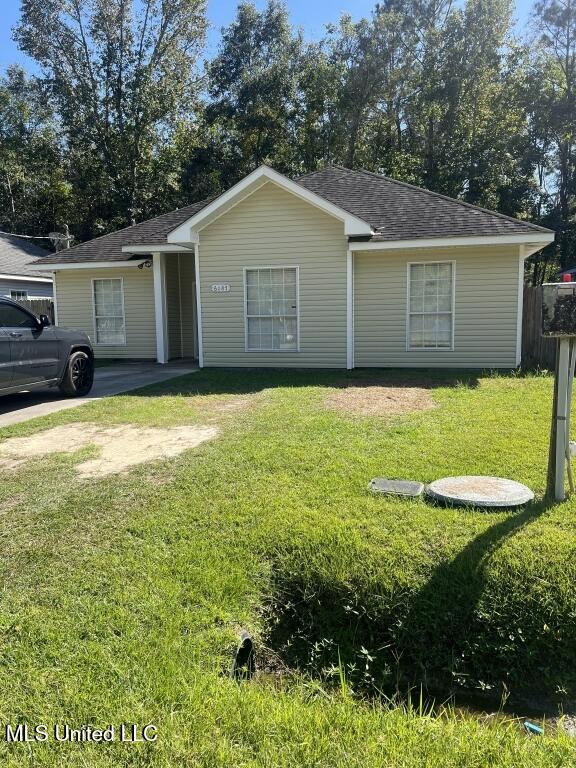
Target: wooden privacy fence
[(536, 350), (40, 307)]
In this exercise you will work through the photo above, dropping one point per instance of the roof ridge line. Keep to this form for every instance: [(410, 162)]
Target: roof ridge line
[(320, 170)]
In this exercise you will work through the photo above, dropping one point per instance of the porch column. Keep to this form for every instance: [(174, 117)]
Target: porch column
[(159, 272), (349, 310)]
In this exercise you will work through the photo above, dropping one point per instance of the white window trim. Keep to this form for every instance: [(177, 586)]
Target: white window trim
[(273, 266), (100, 343), (408, 313)]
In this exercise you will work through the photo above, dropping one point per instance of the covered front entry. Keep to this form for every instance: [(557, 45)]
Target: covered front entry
[(175, 274)]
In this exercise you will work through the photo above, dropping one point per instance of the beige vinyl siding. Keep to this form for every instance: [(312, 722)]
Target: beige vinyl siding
[(180, 305), (172, 283), (274, 228), (485, 308), (188, 304), (74, 300)]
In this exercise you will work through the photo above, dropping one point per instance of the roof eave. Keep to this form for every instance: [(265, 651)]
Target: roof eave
[(538, 239), (155, 248), (31, 278), (88, 264)]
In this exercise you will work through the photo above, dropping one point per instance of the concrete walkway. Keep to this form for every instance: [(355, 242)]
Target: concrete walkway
[(108, 380)]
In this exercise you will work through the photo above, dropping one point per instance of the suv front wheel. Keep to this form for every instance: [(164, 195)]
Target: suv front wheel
[(78, 376)]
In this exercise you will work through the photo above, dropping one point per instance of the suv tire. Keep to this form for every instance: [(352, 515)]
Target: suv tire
[(78, 376)]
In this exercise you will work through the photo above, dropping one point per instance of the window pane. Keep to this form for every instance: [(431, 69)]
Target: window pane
[(13, 317), (109, 330), (429, 332), (417, 288), (277, 308), (415, 338), (430, 310), (266, 325), (265, 341), (277, 276), (290, 295), (417, 271), (445, 272), (444, 322), (431, 302), (252, 292), (444, 302), (109, 311), (271, 309)]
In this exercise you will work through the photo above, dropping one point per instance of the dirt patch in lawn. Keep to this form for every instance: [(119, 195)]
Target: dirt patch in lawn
[(119, 447), (370, 399)]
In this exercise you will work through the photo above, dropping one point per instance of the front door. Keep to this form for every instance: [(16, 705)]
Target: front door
[(34, 350)]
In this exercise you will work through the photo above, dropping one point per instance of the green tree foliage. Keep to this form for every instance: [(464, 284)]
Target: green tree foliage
[(120, 72), (254, 91), (554, 119), (433, 92), (35, 194)]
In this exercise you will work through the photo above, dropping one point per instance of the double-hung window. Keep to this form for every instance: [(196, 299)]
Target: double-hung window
[(431, 305), (272, 309), (109, 322)]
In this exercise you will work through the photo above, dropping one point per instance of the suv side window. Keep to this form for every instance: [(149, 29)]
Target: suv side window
[(14, 317)]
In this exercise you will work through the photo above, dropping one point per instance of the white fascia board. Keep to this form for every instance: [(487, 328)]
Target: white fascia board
[(537, 239), (28, 278), (154, 248), (90, 265), (184, 233)]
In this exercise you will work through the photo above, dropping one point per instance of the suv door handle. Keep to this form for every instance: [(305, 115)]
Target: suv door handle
[(15, 334)]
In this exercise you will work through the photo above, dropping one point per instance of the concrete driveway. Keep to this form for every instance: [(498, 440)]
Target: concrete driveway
[(108, 380)]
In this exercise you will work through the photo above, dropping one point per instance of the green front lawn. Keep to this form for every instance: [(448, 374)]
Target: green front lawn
[(123, 597)]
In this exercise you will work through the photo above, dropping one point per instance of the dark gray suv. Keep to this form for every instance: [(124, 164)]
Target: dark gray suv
[(36, 354)]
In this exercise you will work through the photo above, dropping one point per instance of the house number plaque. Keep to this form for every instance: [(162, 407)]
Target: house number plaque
[(220, 288)]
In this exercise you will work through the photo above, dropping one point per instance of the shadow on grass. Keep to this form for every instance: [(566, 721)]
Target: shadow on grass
[(443, 636), (220, 381)]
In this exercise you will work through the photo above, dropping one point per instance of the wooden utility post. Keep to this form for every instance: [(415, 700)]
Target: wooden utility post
[(559, 321)]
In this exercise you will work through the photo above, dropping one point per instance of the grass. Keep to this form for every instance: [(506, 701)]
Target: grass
[(123, 598)]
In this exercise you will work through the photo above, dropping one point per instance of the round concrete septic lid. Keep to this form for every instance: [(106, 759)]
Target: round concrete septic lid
[(480, 491)]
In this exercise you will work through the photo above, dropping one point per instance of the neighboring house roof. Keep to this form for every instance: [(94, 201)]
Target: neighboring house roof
[(570, 271), (17, 254), (393, 209)]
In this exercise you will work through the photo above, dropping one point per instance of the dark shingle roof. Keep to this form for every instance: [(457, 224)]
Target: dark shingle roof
[(395, 211), (16, 255), (399, 211), (109, 247)]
